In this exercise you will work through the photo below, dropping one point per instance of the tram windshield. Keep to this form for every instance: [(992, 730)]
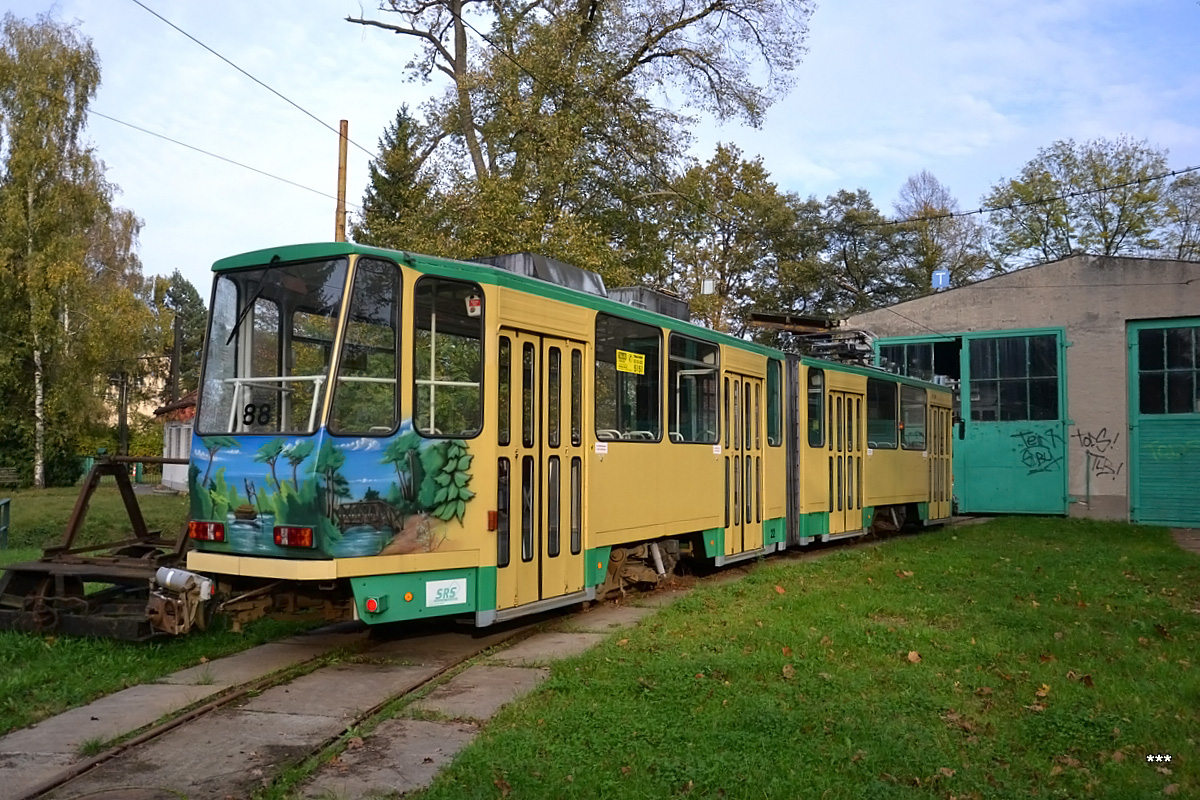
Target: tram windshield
[(270, 345)]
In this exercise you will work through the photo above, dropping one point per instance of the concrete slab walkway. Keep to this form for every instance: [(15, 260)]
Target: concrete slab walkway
[(31, 756), (238, 749)]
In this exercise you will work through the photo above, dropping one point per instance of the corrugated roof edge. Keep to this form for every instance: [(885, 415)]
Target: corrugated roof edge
[(484, 274)]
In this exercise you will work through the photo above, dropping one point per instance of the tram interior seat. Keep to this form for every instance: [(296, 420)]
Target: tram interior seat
[(607, 434), (639, 436), (676, 436)]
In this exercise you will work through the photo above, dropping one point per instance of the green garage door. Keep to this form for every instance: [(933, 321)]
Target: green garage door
[(1164, 421), (1010, 454)]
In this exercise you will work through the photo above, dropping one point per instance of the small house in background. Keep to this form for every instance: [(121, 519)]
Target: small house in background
[(1077, 385), (177, 418)]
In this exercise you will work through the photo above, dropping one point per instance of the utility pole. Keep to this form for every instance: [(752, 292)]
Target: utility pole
[(339, 224)]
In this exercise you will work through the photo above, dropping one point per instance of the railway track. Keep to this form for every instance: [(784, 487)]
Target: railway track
[(243, 739), (236, 744)]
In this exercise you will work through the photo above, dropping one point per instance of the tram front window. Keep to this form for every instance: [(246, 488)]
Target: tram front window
[(270, 343)]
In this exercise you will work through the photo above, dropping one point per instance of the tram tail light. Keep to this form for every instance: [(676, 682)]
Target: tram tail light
[(293, 536), (376, 605), (493, 520), (206, 531)]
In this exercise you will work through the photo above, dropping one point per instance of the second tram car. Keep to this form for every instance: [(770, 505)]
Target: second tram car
[(394, 436)]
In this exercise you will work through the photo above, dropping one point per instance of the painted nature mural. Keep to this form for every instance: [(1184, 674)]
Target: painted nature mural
[(362, 496)]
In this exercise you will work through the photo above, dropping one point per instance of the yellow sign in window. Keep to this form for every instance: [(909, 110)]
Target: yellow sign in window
[(631, 362)]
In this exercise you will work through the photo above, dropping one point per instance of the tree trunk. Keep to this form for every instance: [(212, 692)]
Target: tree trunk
[(466, 111), (39, 419)]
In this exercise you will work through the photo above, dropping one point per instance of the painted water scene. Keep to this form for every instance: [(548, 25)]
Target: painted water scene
[(361, 496)]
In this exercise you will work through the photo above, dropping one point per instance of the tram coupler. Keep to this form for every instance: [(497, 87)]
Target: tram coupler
[(179, 601)]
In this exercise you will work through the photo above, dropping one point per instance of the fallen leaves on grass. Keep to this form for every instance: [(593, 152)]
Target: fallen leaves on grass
[(904, 573), (779, 589), (1045, 690), (914, 657), (354, 743), (622, 642), (1086, 680), (787, 651), (503, 786), (1172, 789), (1162, 631), (946, 772), (789, 671)]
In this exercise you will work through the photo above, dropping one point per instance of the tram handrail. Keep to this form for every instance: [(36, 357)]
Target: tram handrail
[(266, 381)]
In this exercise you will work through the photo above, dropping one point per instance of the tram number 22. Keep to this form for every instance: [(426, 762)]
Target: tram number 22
[(260, 414)]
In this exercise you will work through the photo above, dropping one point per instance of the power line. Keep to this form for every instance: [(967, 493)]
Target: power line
[(216, 156), (830, 228), (256, 80)]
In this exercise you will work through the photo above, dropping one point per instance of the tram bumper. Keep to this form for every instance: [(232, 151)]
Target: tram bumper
[(179, 601)]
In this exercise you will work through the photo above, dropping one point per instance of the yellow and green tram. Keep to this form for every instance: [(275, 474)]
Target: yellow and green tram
[(396, 436)]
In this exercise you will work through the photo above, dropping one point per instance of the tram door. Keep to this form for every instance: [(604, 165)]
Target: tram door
[(845, 461), (939, 463), (743, 463), (539, 551)]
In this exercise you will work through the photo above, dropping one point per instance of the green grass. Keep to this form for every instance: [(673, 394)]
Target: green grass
[(45, 675), (39, 517), (1019, 658), (42, 675)]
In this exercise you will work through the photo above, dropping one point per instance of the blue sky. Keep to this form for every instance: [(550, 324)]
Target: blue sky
[(967, 89)]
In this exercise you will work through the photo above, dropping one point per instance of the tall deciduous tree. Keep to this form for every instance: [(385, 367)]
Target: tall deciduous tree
[(939, 239), (68, 270), (557, 108), (866, 258), (1103, 197), (1181, 237), (726, 224)]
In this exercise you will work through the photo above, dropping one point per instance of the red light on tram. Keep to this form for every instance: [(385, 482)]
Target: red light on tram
[(376, 605), (206, 531), (293, 536), (493, 520)]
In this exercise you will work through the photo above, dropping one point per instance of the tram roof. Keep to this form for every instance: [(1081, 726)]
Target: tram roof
[(482, 273)]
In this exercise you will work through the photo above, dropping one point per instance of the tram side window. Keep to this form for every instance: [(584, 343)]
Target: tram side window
[(881, 414), (628, 386), (774, 406), (364, 399), (816, 407), (912, 415), (692, 369), (447, 357)]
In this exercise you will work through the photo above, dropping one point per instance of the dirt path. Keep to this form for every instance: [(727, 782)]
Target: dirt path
[(1187, 538)]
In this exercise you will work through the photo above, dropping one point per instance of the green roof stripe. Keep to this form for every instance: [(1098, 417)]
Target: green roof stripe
[(483, 273)]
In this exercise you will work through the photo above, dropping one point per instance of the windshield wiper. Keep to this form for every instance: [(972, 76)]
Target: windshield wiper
[(246, 308)]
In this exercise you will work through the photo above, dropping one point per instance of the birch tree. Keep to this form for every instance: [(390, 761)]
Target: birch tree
[(68, 266)]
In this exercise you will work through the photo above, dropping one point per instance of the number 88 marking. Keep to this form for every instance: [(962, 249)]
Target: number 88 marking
[(252, 413)]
